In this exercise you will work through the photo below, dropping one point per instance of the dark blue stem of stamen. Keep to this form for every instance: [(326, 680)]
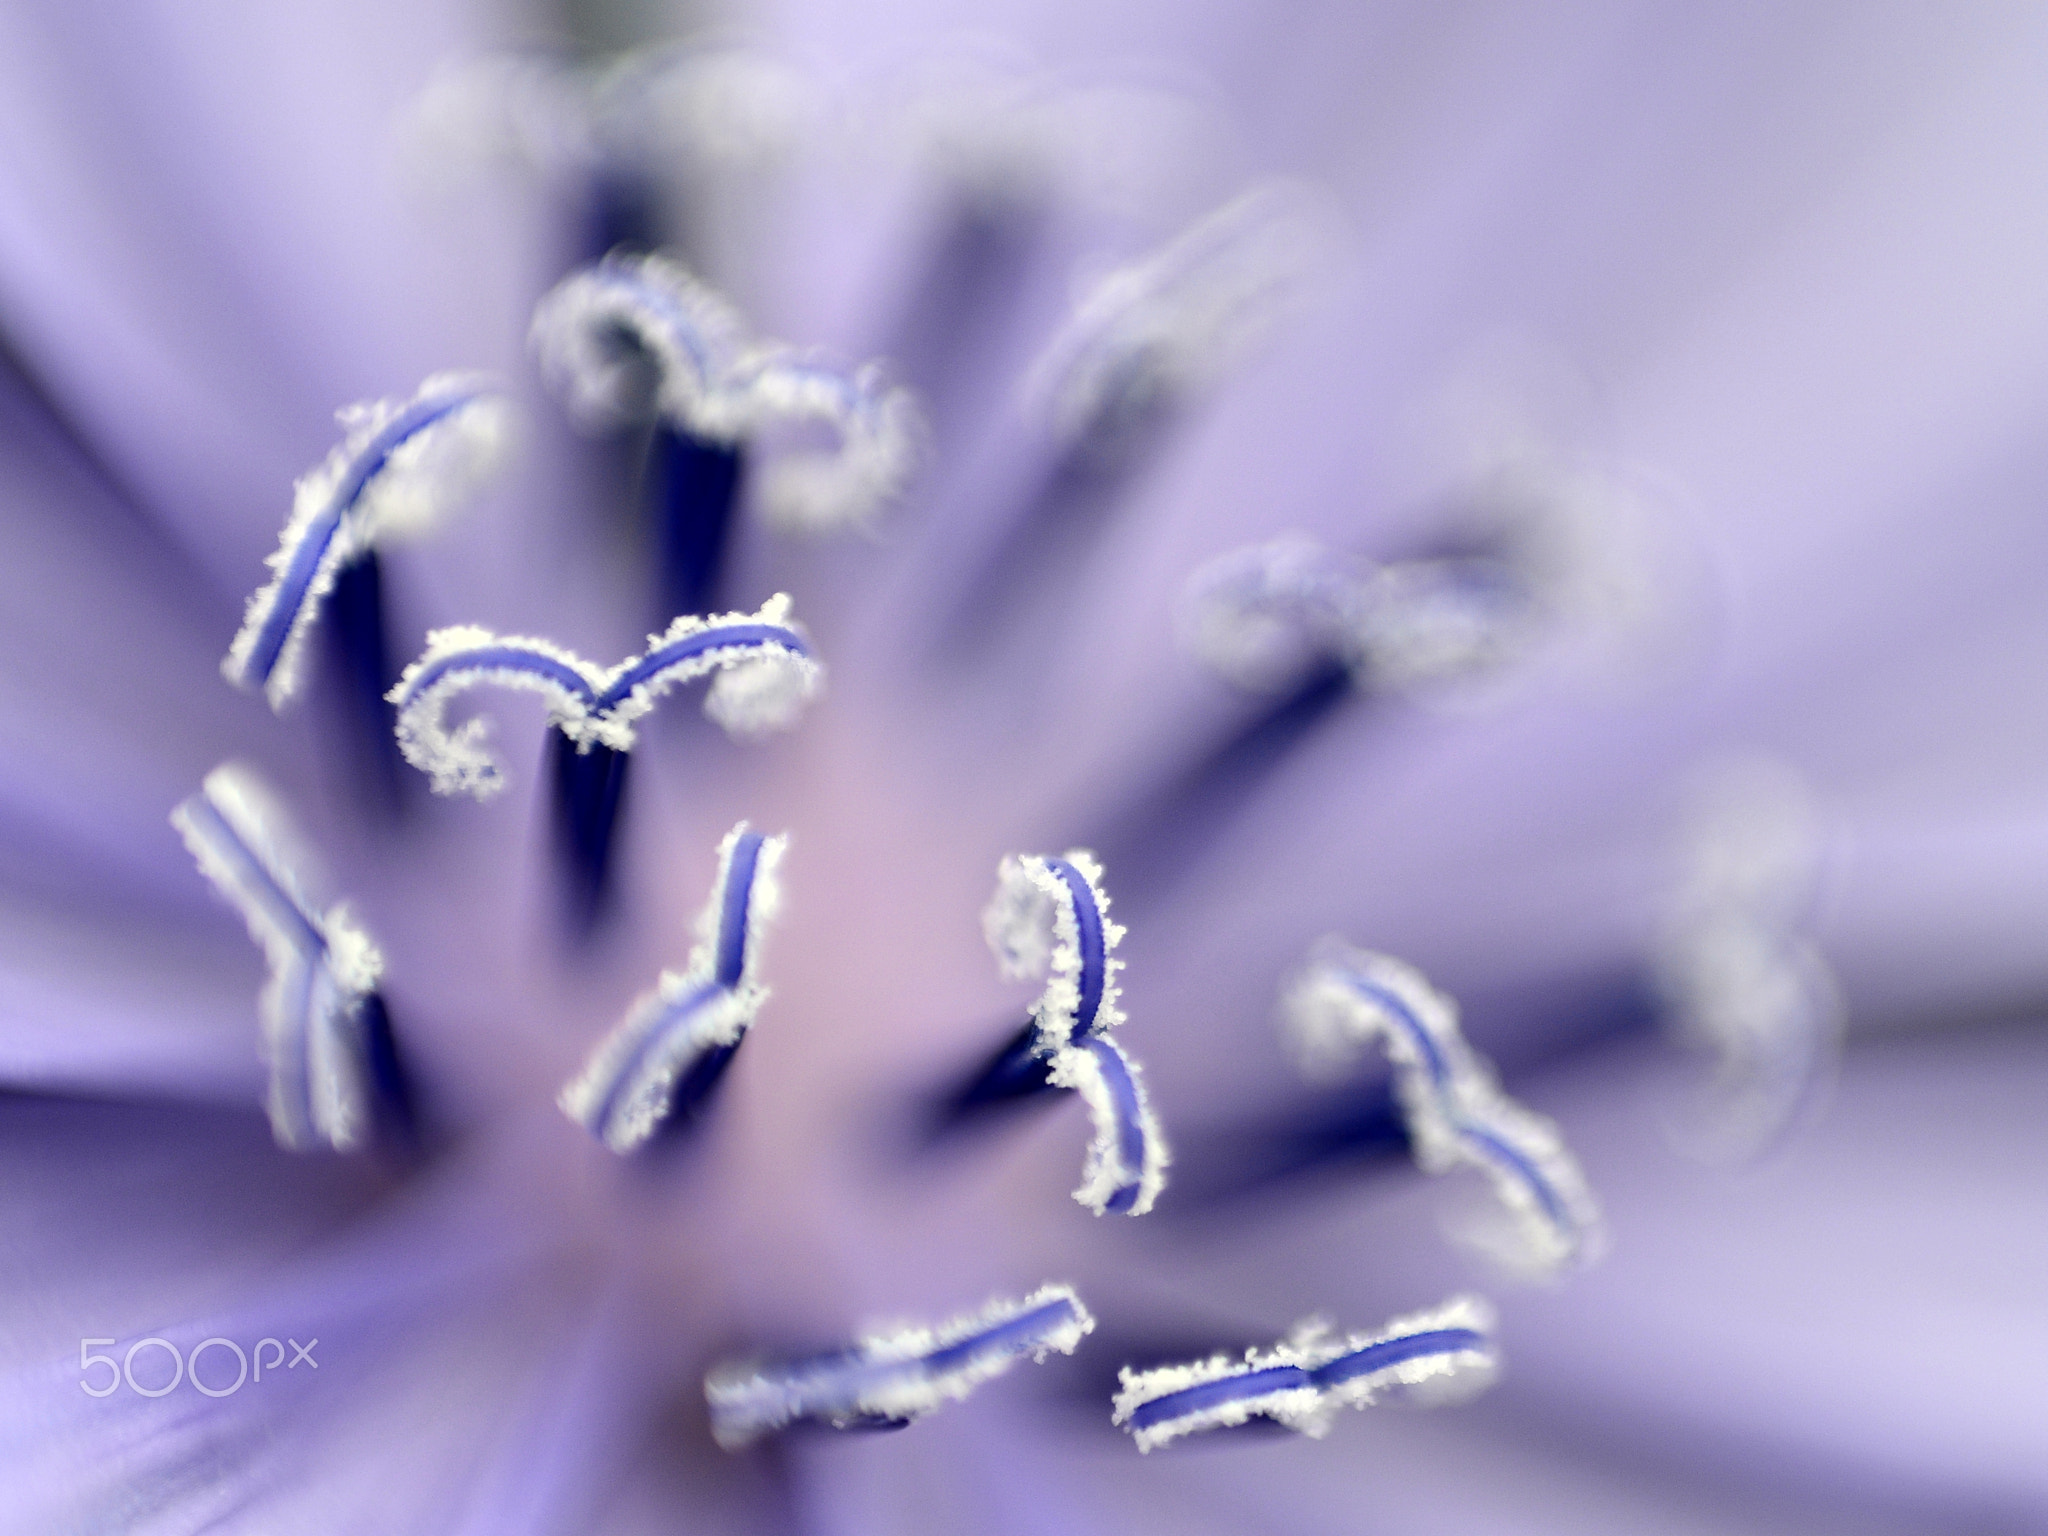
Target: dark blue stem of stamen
[(624, 210), (398, 1107), (1165, 830), (695, 1090), (977, 268), (1049, 536), (589, 788), (1014, 1075), (692, 489), (359, 656)]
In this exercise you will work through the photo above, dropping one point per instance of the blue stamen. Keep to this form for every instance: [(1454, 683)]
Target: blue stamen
[(1049, 918), (893, 1379), (320, 1028), (1210, 1394), (766, 673), (312, 551), (731, 959), (664, 1060), (716, 387), (1455, 1110), (342, 509), (1431, 1357), (675, 1016), (705, 642), (1094, 957)]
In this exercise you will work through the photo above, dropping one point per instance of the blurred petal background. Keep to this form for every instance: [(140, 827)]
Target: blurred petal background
[(1772, 278)]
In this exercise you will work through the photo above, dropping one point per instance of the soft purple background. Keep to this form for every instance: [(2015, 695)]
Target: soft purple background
[(1781, 271)]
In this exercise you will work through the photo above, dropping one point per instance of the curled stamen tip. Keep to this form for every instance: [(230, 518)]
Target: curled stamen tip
[(763, 674), (1346, 1000), (402, 465), (1429, 1359), (895, 1375), (324, 968), (1049, 918), (666, 1055), (1156, 331), (716, 383)]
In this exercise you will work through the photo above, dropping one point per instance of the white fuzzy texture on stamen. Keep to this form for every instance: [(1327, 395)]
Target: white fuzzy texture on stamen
[(1153, 333), (1459, 1117), (1262, 616), (695, 111), (323, 966), (1739, 978), (1436, 1380), (885, 1375), (760, 687), (721, 1017), (1032, 928), (880, 431), (688, 330), (424, 479), (1107, 1172), (1030, 925), (718, 384)]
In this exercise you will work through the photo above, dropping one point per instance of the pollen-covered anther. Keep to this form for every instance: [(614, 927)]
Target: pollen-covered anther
[(402, 465), (675, 1040), (1739, 977), (762, 666), (1428, 1359), (324, 968), (1346, 1000), (1265, 616), (896, 1375), (1049, 918), (716, 383)]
